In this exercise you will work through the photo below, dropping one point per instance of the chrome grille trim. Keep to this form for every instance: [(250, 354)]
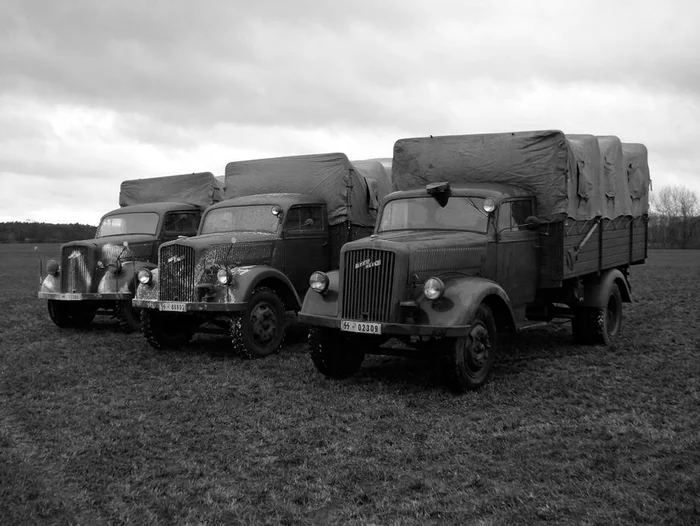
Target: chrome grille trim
[(367, 286), (76, 276), (176, 273)]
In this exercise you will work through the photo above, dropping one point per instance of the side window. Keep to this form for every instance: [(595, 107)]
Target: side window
[(304, 219), (504, 217), (513, 215), (181, 223)]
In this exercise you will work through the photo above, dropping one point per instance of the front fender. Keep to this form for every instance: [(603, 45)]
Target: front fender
[(246, 279), (597, 288), (461, 299), (325, 304), (122, 281)]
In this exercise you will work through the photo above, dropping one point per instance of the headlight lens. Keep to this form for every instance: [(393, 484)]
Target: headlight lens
[(433, 288), (52, 267), (222, 276), (319, 282), (145, 276)]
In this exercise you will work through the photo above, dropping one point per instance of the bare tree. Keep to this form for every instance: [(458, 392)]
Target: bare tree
[(675, 208)]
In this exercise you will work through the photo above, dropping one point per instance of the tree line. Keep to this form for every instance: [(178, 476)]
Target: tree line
[(34, 232), (674, 219)]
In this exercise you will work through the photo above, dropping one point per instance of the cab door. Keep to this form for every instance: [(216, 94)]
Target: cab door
[(518, 265), (305, 243)]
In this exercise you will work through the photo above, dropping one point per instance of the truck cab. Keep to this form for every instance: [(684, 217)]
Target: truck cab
[(247, 266), (98, 276)]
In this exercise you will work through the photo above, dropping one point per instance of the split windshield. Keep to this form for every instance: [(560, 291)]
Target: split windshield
[(132, 223), (425, 213), (240, 219)]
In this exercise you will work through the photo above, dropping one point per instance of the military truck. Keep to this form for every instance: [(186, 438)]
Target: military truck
[(98, 276), (250, 262), (486, 235)]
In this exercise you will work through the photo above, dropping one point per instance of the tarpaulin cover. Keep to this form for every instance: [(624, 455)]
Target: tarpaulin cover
[(636, 164), (615, 185), (377, 174), (200, 189), (330, 176), (588, 181), (538, 161)]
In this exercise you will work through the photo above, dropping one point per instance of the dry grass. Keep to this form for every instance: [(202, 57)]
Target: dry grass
[(97, 427)]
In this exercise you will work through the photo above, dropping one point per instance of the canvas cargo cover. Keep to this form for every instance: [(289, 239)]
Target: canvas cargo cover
[(636, 163), (588, 175), (541, 162), (199, 189), (615, 184), (377, 177), (330, 176)]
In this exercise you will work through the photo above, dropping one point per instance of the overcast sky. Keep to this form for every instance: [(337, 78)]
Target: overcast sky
[(93, 92)]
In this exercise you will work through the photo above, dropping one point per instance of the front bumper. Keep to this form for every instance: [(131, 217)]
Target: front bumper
[(393, 329), (189, 306), (86, 296)]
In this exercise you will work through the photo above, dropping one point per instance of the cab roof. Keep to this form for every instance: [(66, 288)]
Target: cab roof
[(285, 200), (160, 207), (495, 191)]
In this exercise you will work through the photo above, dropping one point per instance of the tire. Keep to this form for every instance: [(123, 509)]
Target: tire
[(71, 315), (605, 324), (258, 331), (332, 354), (166, 331), (129, 317), (470, 359)]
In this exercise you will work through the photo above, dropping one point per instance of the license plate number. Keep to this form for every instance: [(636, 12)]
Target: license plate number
[(70, 297), (173, 306), (361, 326)]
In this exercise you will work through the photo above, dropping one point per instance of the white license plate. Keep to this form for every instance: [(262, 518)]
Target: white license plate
[(173, 306), (361, 326), (70, 297)]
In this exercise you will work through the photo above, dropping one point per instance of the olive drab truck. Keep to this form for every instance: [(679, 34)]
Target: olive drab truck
[(98, 276), (249, 265), (486, 235)]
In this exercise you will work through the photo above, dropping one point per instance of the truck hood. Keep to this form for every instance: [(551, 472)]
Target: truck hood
[(210, 240), (140, 247)]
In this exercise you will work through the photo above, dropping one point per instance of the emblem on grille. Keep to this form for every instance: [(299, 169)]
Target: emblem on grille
[(175, 259), (368, 263), (74, 255)]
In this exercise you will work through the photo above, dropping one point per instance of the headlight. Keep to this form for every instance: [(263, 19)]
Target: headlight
[(52, 267), (145, 276), (223, 276), (319, 282), (433, 288)]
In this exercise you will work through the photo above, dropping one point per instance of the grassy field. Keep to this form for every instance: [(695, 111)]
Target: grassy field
[(98, 428)]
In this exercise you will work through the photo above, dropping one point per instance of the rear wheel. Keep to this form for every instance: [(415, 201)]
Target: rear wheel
[(70, 314), (470, 359), (259, 330), (333, 354), (166, 330), (599, 326), (129, 317)]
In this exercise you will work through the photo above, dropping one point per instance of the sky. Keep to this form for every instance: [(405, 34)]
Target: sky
[(96, 92)]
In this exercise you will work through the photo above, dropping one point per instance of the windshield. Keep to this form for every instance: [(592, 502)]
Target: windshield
[(424, 213), (240, 219), (133, 223)]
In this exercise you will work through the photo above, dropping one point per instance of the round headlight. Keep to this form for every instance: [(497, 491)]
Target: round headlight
[(433, 288), (52, 267), (489, 205), (319, 282), (145, 276), (222, 276)]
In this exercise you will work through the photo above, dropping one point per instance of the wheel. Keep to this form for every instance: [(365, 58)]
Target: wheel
[(259, 330), (470, 359), (166, 330), (605, 324), (333, 354), (71, 315), (129, 317)]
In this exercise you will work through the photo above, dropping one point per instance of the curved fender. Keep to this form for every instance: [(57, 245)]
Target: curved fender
[(148, 291), (246, 279), (325, 304), (462, 297), (122, 281), (596, 289)]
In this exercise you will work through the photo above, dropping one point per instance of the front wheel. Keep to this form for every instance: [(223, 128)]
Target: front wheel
[(166, 330), (469, 360), (332, 354), (258, 331), (70, 314)]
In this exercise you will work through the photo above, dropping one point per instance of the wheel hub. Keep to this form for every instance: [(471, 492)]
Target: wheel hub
[(478, 347), (263, 323)]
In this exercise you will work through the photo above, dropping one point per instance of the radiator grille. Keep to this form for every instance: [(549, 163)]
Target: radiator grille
[(368, 281), (176, 269), (76, 275)]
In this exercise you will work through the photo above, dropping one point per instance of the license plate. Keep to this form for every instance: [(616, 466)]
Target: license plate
[(361, 326), (173, 306), (70, 297)]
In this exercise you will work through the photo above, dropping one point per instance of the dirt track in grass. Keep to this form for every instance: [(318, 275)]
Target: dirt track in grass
[(97, 427)]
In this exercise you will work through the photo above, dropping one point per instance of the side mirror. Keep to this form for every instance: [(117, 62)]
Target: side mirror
[(309, 222), (532, 223)]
